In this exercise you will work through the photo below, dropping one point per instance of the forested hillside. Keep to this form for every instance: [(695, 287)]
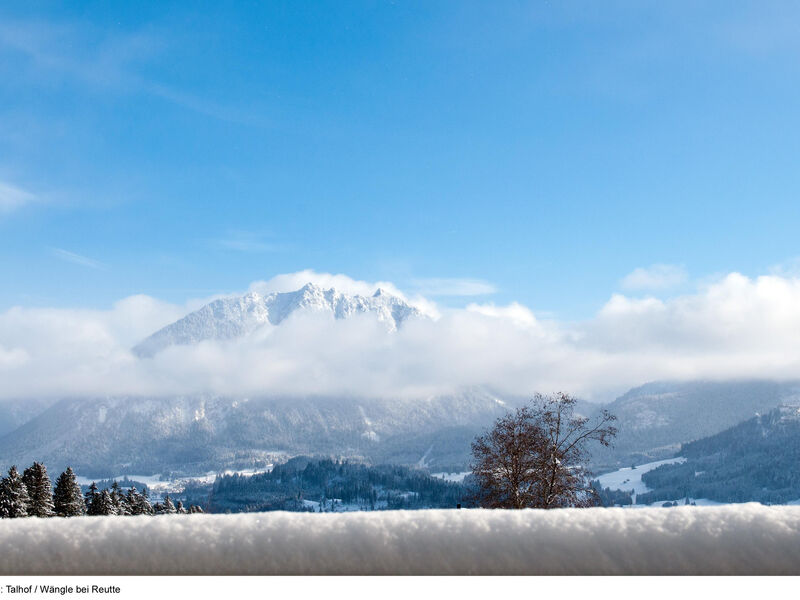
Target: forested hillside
[(757, 460), (656, 418)]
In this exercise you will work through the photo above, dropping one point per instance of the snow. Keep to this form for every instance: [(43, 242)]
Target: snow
[(153, 482), (628, 478), (210, 476), (228, 318), (681, 501), (422, 463), (735, 539), (158, 485), (454, 477)]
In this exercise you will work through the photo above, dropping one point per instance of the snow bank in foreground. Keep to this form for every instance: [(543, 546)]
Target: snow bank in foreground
[(739, 539)]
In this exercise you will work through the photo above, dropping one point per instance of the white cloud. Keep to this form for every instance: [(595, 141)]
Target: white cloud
[(654, 277), (732, 328), (515, 312), (453, 287), (77, 259), (10, 359), (13, 197), (787, 268)]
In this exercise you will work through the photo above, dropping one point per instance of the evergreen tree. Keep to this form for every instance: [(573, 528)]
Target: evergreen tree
[(168, 506), (133, 500), (179, 508), (137, 503), (145, 508), (90, 499), (5, 500), (104, 505), (13, 496), (39, 489), (194, 509), (144, 502), (67, 499), (119, 500)]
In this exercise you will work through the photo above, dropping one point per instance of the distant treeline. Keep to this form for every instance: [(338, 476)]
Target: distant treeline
[(32, 495), (608, 497), (323, 485)]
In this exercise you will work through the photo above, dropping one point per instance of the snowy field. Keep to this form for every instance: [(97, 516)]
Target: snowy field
[(740, 539), (453, 477), (630, 478), (158, 485)]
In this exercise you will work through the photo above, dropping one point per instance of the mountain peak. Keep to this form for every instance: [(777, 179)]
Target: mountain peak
[(234, 317)]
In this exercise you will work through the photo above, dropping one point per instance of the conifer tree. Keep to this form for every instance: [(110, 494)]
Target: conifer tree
[(104, 505), (137, 503), (118, 500), (90, 499), (67, 498), (5, 500), (168, 506), (133, 500), (40, 491), (179, 508), (13, 496), (144, 502), (194, 509)]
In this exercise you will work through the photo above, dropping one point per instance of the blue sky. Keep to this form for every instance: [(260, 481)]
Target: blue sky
[(542, 150)]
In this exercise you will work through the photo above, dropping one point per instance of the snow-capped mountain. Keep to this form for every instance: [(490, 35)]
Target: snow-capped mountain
[(228, 318)]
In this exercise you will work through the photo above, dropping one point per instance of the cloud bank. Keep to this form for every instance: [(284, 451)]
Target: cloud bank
[(747, 539), (443, 286), (655, 277), (736, 327)]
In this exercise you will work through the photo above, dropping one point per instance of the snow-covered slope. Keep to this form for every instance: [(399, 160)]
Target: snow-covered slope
[(14, 413), (747, 539), (228, 318)]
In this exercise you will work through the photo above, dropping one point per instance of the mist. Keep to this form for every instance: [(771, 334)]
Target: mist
[(734, 327)]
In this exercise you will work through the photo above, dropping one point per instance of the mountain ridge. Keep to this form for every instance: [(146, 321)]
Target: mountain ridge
[(753, 461), (657, 417), (197, 433), (237, 316)]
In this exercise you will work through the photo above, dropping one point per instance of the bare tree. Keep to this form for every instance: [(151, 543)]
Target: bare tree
[(536, 457), (505, 461)]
